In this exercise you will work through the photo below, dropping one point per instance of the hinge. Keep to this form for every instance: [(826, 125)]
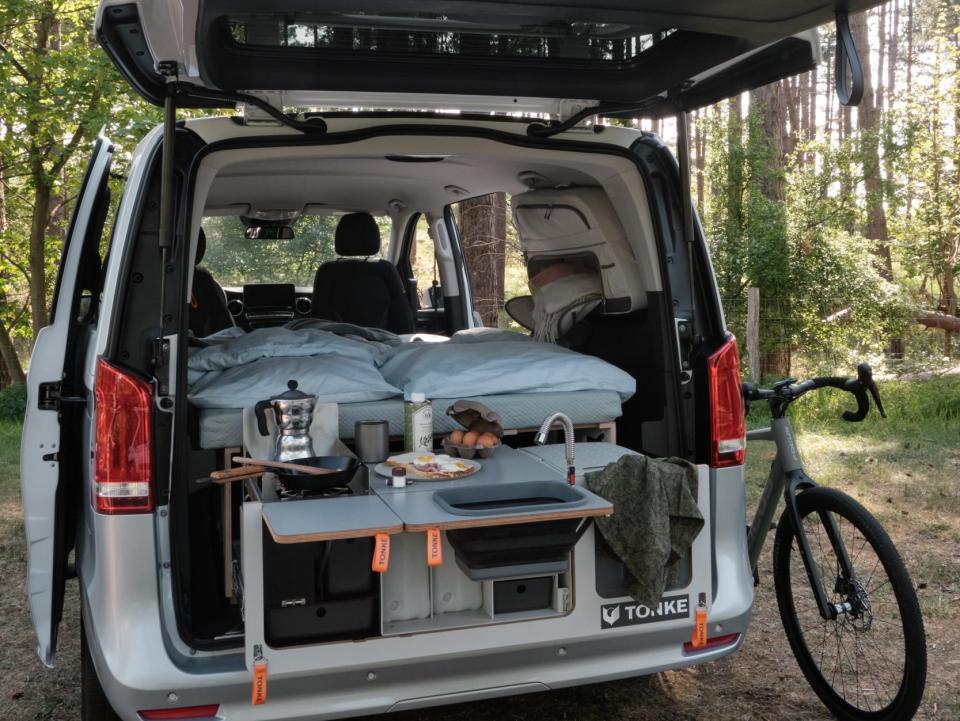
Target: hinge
[(252, 115), (49, 398), (168, 68), (161, 365), (684, 348)]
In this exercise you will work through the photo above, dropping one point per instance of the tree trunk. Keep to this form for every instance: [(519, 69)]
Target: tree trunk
[(893, 39), (483, 232), (802, 99), (881, 56), (699, 146), (812, 105), (941, 321), (770, 99), (9, 358), (868, 120), (771, 103), (38, 247)]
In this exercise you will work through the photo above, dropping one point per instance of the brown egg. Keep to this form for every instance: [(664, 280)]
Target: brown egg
[(487, 440), (456, 437), (470, 439)]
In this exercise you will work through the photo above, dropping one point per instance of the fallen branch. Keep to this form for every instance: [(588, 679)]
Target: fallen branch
[(942, 321)]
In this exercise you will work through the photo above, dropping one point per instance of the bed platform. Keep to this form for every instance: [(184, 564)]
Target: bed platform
[(223, 428)]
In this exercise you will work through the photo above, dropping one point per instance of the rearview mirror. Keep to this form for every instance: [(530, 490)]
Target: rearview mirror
[(269, 232)]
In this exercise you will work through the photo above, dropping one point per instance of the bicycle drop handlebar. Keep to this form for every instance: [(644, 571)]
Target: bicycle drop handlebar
[(788, 390)]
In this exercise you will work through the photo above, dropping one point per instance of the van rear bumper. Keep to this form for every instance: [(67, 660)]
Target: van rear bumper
[(468, 676)]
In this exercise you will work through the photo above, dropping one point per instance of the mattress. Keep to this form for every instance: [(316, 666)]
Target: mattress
[(223, 427)]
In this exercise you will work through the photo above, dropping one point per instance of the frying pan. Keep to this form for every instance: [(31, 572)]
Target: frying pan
[(339, 472)]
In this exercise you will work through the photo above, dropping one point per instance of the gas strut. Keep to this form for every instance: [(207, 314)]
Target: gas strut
[(167, 221)]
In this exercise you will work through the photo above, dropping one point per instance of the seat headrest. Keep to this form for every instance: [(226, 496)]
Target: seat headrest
[(357, 234), (201, 247)]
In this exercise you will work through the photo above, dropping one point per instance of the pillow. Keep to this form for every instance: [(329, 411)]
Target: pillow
[(332, 378)]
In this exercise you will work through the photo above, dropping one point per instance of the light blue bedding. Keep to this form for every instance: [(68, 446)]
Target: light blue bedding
[(282, 342), (346, 364), (478, 364), (332, 378)]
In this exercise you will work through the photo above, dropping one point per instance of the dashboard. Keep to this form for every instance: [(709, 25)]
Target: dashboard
[(262, 305)]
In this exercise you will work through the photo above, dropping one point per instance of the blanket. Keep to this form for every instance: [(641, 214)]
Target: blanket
[(655, 520)]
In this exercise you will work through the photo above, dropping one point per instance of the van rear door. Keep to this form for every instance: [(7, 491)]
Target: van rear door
[(52, 457), (518, 56)]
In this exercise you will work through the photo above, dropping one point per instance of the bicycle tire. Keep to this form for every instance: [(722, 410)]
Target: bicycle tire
[(797, 606)]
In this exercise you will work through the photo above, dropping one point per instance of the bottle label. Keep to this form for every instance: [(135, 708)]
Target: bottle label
[(418, 430)]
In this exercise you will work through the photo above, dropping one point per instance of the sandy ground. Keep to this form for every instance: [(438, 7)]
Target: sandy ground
[(920, 507)]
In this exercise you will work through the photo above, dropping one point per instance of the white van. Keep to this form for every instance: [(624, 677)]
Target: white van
[(234, 601)]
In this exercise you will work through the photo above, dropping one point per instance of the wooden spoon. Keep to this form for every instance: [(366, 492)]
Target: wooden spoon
[(294, 467)]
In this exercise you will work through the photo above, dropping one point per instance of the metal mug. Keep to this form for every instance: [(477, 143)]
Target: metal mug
[(372, 439)]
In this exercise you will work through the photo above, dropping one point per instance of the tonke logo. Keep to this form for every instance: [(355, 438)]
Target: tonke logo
[(630, 613)]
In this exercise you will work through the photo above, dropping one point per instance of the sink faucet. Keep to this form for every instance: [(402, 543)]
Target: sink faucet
[(541, 438)]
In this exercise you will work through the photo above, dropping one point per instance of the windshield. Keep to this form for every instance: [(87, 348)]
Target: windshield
[(235, 260)]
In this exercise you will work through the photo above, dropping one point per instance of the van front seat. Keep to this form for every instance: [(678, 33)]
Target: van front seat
[(360, 289), (208, 302)]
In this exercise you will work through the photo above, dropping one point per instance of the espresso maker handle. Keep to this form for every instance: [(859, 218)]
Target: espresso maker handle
[(261, 411)]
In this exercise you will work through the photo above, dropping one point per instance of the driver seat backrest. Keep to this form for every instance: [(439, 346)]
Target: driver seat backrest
[(358, 288), (208, 302)]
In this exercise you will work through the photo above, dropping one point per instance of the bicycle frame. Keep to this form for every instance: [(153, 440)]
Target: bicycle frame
[(787, 477)]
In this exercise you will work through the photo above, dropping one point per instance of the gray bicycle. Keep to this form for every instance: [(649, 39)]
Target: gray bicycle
[(846, 601)]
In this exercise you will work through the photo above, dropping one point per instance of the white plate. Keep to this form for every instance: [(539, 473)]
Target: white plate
[(384, 470)]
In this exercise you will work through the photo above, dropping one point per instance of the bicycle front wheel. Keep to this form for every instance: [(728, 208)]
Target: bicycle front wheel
[(870, 662)]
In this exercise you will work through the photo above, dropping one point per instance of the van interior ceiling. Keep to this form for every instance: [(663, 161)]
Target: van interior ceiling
[(403, 179)]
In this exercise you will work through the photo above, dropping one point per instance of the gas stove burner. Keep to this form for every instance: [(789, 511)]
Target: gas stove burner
[(333, 492)]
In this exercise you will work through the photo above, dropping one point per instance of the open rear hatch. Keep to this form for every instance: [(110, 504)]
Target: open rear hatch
[(490, 55)]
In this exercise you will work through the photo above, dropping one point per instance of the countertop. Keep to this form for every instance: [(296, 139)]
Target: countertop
[(383, 509)]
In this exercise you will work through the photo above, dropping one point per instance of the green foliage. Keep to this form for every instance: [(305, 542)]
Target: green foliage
[(13, 402), (57, 91), (820, 292)]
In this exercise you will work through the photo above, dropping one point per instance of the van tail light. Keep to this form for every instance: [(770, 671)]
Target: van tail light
[(712, 643), (123, 466), (208, 711), (728, 424)]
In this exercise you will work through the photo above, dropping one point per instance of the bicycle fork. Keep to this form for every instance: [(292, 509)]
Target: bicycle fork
[(787, 476)]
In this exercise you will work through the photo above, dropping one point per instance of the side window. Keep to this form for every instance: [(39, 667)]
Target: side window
[(492, 255), (423, 264), (96, 245)]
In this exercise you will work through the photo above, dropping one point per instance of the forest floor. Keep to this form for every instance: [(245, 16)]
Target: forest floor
[(905, 470)]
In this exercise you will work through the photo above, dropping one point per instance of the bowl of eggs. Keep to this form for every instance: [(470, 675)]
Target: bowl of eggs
[(467, 444)]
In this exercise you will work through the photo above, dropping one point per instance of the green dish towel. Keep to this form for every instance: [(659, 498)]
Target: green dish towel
[(655, 518)]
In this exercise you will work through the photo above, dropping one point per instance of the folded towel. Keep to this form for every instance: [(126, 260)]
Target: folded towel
[(655, 519)]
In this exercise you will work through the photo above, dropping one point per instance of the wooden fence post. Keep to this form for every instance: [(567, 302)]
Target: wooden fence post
[(753, 334)]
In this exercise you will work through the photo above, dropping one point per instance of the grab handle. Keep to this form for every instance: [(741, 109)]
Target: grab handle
[(849, 90)]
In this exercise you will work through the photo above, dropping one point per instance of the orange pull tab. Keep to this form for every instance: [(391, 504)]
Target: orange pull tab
[(434, 547), (699, 639), (381, 553), (259, 695)]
